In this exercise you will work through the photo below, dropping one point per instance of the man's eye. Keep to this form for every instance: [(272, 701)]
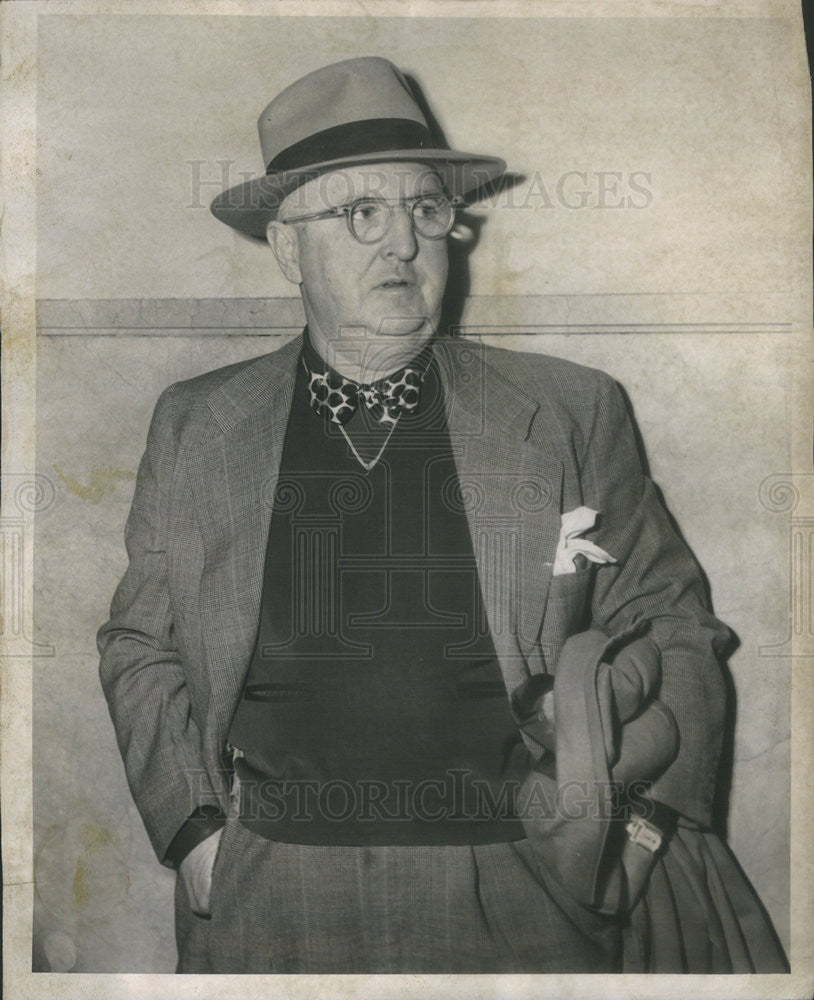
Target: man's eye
[(366, 211), (428, 208)]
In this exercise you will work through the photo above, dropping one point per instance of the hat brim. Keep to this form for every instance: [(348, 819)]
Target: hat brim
[(249, 207)]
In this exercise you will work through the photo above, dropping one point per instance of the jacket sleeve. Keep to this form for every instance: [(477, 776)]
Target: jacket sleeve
[(141, 670), (656, 579)]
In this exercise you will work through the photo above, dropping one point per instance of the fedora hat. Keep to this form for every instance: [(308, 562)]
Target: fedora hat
[(352, 112)]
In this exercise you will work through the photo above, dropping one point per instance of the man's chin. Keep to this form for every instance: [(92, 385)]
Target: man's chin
[(404, 326)]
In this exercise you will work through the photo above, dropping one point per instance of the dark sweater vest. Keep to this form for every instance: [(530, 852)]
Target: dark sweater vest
[(374, 710)]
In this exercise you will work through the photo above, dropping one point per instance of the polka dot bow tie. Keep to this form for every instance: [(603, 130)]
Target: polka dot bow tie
[(386, 399)]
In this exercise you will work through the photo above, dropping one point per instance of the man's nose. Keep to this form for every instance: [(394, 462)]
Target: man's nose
[(400, 240)]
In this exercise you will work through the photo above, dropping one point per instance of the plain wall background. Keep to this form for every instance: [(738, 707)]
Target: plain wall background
[(694, 302)]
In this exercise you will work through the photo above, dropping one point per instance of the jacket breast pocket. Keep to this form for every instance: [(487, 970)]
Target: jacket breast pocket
[(568, 611)]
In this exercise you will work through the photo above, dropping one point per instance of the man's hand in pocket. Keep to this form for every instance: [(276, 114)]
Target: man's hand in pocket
[(196, 872)]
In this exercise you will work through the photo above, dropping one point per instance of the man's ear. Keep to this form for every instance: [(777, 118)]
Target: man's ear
[(285, 246)]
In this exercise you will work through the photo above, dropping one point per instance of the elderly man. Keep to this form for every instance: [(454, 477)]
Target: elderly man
[(356, 567)]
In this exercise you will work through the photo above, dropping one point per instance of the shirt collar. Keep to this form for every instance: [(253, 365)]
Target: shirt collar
[(316, 363)]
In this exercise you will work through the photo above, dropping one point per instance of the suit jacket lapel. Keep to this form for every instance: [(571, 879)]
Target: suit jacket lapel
[(233, 477), (511, 489)]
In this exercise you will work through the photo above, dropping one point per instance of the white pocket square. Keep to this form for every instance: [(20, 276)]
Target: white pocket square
[(575, 523)]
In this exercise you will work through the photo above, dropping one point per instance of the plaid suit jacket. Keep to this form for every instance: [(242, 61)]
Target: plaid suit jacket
[(533, 436)]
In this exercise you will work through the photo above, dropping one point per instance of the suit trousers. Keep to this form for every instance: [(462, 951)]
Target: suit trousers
[(290, 908)]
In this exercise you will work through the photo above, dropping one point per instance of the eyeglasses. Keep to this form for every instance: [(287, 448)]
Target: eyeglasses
[(369, 219)]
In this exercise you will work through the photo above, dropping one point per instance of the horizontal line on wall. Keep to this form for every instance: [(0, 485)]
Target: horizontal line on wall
[(174, 332), (633, 328), (470, 326), (468, 330), (144, 334), (481, 316)]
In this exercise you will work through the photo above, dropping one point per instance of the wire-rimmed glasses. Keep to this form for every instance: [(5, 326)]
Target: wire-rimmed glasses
[(369, 219)]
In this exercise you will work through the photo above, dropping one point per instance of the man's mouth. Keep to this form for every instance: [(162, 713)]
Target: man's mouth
[(394, 283)]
